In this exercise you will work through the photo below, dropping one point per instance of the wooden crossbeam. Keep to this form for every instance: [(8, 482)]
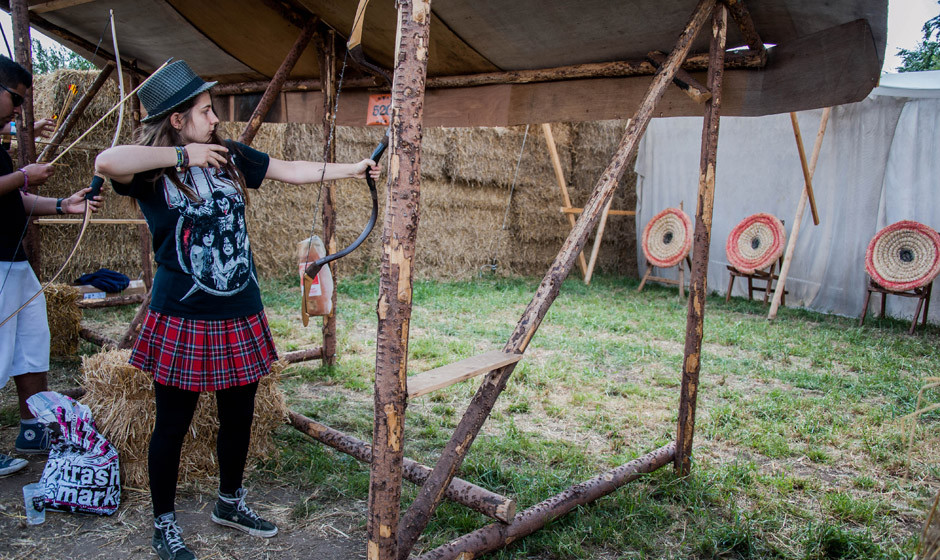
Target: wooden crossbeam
[(52, 5), (445, 376)]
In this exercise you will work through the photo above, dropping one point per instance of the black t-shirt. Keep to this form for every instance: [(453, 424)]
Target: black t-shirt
[(12, 217), (205, 267)]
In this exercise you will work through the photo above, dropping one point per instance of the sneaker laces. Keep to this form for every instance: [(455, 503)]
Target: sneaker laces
[(239, 501), (172, 533)]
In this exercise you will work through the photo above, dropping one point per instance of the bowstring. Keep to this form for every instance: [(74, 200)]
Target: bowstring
[(499, 236), (329, 142)]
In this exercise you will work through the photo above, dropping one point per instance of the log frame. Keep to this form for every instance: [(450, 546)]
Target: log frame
[(395, 287), (416, 518), (695, 319)]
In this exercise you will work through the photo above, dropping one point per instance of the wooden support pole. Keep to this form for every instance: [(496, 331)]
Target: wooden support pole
[(798, 220), (496, 536), (696, 91), (562, 184), (695, 319), (326, 47), (395, 287), (66, 127), (742, 17), (597, 242), (470, 495), (241, 88), (418, 515), (25, 141), (113, 301), (807, 176), (575, 210), (130, 335), (274, 88)]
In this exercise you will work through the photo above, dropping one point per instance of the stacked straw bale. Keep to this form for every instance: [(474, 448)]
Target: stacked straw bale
[(467, 175), (121, 400), (65, 319)]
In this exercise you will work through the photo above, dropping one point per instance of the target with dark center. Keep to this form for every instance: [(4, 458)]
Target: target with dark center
[(755, 243), (903, 256), (667, 238)]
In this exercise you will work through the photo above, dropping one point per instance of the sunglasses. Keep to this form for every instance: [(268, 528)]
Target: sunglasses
[(16, 98)]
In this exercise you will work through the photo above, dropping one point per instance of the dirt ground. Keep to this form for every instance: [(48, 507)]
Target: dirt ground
[(331, 535)]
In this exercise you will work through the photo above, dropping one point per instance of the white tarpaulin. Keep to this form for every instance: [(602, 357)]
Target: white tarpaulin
[(880, 163)]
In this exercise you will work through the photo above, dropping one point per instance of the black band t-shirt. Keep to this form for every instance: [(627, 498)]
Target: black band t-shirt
[(205, 267)]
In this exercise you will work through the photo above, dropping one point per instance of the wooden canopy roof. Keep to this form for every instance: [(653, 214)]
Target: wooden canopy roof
[(825, 53)]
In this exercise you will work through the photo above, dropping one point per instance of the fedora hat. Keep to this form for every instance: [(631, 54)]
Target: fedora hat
[(169, 88)]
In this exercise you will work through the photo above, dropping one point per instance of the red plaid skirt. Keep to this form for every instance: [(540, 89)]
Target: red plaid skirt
[(203, 355)]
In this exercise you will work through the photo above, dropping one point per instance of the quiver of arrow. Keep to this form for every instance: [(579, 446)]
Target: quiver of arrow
[(320, 295)]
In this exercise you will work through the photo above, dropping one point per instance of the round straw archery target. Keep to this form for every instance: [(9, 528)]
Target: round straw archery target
[(755, 243), (667, 238), (903, 256)]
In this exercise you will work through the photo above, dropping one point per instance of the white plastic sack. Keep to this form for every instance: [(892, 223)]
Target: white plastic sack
[(82, 473)]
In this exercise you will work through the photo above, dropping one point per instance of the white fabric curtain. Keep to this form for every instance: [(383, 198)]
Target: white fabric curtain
[(879, 164)]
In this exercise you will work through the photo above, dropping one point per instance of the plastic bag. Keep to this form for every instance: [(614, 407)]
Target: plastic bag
[(320, 296), (82, 473)]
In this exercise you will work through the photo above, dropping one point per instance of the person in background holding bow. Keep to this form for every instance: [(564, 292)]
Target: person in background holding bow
[(205, 329), (24, 339)]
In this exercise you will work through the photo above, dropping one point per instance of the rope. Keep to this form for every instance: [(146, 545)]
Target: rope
[(499, 238)]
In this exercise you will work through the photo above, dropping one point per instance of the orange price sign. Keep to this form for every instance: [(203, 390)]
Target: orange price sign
[(378, 109)]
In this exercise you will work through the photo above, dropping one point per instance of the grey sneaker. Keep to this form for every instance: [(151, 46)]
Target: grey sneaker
[(10, 465), (231, 511), (167, 539)]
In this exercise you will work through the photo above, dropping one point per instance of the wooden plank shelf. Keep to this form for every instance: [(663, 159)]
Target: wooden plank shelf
[(445, 376)]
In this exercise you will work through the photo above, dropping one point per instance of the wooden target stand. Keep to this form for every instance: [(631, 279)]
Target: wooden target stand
[(766, 276), (923, 301)]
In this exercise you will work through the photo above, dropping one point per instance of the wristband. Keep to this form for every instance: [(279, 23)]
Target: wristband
[(185, 157), (180, 156), (25, 186), (58, 207)]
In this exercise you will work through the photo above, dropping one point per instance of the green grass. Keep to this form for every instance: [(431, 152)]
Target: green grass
[(801, 442)]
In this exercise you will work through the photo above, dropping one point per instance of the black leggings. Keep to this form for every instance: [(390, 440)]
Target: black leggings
[(175, 408)]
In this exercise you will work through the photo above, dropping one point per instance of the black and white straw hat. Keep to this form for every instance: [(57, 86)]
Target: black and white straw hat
[(173, 85)]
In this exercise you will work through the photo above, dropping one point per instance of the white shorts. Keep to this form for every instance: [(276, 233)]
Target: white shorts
[(24, 340)]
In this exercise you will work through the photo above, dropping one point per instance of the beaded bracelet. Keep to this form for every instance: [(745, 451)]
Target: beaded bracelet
[(25, 186), (185, 156)]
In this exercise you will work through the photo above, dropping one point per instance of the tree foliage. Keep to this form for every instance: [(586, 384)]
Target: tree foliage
[(47, 60), (927, 54)]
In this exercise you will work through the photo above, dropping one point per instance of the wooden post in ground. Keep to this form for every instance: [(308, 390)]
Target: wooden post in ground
[(807, 176), (274, 88), (70, 121), (597, 242), (326, 47), (395, 287), (695, 322), (798, 220), (25, 143), (416, 518), (130, 335), (562, 184)]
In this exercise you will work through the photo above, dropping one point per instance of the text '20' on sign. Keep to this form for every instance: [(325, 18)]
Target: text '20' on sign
[(378, 109)]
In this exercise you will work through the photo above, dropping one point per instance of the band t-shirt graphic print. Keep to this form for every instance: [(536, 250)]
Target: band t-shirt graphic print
[(202, 247), (211, 239)]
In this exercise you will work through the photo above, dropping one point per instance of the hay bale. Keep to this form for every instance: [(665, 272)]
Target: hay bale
[(121, 400), (65, 319)]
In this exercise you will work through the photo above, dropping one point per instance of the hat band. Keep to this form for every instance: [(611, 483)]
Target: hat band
[(180, 96)]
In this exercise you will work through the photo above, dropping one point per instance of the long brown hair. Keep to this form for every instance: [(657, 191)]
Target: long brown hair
[(161, 133)]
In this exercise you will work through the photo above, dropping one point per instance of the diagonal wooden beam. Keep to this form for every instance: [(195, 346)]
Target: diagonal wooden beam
[(274, 88), (562, 184), (695, 319), (683, 80), (416, 518), (742, 17)]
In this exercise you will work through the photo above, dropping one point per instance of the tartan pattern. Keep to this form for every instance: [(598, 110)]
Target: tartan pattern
[(204, 355)]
